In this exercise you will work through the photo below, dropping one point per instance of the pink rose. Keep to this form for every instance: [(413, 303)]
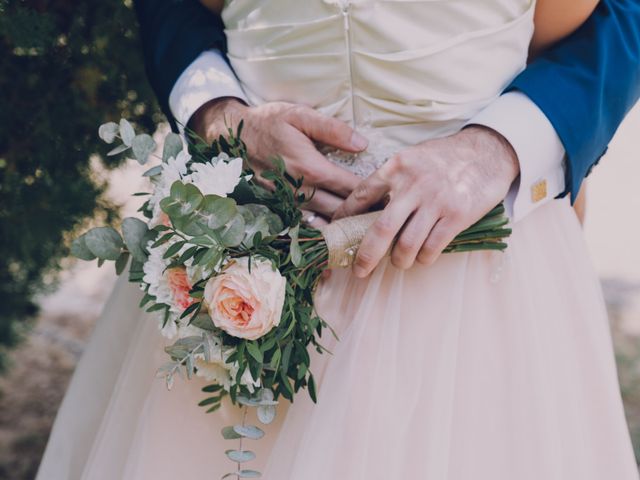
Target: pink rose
[(180, 287), (246, 305)]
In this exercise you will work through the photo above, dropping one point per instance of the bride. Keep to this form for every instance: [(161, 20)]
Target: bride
[(475, 365)]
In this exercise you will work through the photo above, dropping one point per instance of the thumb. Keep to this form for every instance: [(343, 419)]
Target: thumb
[(327, 130)]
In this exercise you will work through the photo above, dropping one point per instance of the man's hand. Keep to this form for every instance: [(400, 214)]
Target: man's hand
[(288, 130), (436, 189)]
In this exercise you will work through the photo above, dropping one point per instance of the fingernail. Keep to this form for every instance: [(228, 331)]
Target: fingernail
[(358, 141)]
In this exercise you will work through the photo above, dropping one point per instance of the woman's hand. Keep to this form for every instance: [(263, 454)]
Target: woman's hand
[(288, 130), (436, 189)]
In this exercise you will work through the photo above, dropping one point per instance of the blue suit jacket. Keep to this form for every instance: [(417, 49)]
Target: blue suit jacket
[(585, 84)]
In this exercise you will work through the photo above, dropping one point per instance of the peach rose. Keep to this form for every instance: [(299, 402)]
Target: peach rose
[(180, 287), (246, 305)]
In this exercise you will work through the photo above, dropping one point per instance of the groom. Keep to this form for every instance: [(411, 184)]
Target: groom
[(534, 143)]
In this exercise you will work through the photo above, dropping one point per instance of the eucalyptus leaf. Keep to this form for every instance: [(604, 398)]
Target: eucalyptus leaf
[(249, 474), (216, 211), (183, 200), (229, 433), (117, 150), (266, 414), (108, 131), (142, 146), (104, 242), (153, 171), (126, 132), (232, 233), (262, 212), (249, 431), (80, 250), (172, 146), (121, 262), (249, 402), (134, 232), (240, 456)]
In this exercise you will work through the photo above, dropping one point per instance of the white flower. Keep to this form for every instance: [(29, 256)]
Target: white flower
[(217, 177), (217, 370), (173, 170)]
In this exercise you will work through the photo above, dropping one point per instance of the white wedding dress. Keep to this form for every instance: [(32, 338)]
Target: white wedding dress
[(483, 366)]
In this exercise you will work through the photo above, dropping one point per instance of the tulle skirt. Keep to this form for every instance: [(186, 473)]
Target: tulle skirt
[(484, 365)]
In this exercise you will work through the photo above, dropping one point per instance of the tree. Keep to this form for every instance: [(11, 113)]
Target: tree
[(66, 66)]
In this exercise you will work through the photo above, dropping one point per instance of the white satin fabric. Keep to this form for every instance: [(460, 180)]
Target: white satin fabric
[(484, 365), (400, 71)]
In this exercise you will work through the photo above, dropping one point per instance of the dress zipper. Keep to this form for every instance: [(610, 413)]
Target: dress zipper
[(347, 31)]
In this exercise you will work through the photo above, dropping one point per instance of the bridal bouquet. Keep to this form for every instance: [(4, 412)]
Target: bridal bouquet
[(230, 270)]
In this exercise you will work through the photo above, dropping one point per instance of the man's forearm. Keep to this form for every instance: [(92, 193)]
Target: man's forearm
[(586, 84)]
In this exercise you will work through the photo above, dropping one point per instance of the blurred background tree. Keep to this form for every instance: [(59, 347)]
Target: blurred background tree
[(66, 66)]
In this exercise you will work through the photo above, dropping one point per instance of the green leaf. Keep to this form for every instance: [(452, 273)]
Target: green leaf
[(80, 250), (232, 233), (117, 150), (142, 146), (188, 253), (212, 388), (146, 299), (249, 431), (152, 172), (229, 433), (240, 456), (183, 200), (191, 308), (104, 242), (172, 146), (162, 240), (134, 232), (312, 388), (296, 252), (210, 401), (121, 262), (173, 249), (204, 322), (126, 132), (286, 356), (275, 360), (255, 352), (216, 211), (108, 131)]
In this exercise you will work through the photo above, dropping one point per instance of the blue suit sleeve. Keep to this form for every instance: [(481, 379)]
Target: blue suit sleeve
[(587, 83), (173, 34)]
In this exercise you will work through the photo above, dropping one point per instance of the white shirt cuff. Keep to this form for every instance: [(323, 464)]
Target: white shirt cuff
[(537, 145), (209, 76)]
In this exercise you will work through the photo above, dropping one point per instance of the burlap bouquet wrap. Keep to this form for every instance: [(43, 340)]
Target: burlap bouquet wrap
[(343, 237)]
